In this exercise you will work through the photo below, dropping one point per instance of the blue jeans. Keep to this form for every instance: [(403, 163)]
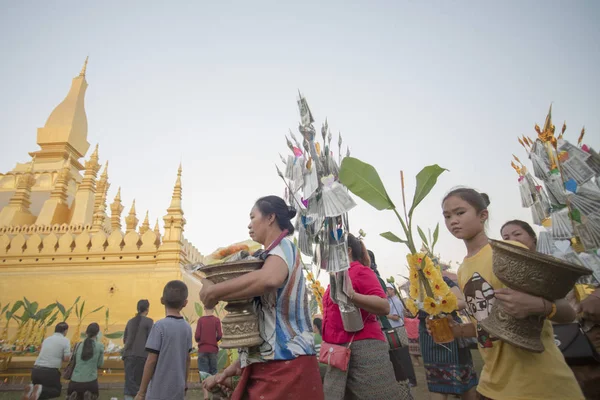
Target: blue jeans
[(207, 362)]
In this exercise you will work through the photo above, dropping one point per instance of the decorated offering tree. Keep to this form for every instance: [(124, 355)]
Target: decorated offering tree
[(428, 291), (563, 195), (322, 203)]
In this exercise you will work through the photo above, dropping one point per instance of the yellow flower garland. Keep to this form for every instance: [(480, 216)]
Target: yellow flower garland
[(317, 290), (423, 272)]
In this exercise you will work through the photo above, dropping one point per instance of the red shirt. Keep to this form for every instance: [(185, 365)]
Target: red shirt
[(364, 281), (208, 333)]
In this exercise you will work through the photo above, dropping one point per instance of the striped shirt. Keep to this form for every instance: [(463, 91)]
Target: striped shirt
[(284, 319)]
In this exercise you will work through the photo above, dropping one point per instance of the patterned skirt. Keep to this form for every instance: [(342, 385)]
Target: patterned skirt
[(370, 375), (448, 367)]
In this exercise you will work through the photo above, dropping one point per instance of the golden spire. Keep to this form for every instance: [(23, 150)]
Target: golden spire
[(82, 73), (100, 199), (131, 221), (65, 131), (156, 228), (61, 186), (17, 211), (174, 220), (21, 197), (177, 193), (145, 225), (91, 170), (116, 208), (548, 123)]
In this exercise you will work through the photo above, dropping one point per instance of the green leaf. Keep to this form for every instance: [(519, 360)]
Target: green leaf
[(392, 237), (114, 335), (199, 310), (16, 307), (33, 308), (61, 308), (364, 181), (426, 180), (94, 310), (52, 319), (436, 234), (4, 309), (27, 303), (80, 315), (422, 235)]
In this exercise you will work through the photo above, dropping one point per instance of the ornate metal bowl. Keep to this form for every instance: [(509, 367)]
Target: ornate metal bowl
[(240, 325), (533, 273)]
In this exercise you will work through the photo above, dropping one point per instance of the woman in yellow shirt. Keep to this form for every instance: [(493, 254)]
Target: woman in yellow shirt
[(509, 373)]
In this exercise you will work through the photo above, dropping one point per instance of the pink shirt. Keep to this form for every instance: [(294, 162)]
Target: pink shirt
[(364, 281)]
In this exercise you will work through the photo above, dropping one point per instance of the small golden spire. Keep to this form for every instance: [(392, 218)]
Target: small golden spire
[(176, 198), (156, 228), (116, 208), (145, 225), (131, 221), (94, 155), (82, 73), (105, 172), (132, 209)]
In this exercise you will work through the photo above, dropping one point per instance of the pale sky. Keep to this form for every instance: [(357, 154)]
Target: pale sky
[(214, 84)]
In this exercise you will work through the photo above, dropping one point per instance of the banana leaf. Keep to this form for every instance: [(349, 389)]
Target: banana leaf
[(363, 180), (392, 237), (426, 180)]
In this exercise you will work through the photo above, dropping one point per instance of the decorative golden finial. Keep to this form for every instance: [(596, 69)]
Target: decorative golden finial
[(116, 208), (562, 131), (82, 73), (581, 135), (548, 123), (132, 209), (145, 225), (516, 167), (105, 172), (131, 220), (156, 228), (95, 153), (517, 159)]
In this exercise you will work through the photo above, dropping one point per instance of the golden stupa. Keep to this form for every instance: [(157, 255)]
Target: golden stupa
[(58, 241)]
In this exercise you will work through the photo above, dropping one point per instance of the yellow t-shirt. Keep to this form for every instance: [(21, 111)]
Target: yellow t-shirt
[(510, 373)]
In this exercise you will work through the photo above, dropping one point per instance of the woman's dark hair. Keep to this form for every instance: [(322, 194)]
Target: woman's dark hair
[(359, 251), (318, 322), (526, 227), (142, 307), (276, 205), (88, 344), (479, 201)]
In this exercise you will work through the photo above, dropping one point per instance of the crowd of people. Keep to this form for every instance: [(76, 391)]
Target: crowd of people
[(286, 365)]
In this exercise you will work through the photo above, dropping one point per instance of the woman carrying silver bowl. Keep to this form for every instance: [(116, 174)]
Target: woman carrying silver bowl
[(284, 365)]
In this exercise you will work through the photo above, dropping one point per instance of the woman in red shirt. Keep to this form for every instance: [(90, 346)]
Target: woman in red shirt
[(370, 372)]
